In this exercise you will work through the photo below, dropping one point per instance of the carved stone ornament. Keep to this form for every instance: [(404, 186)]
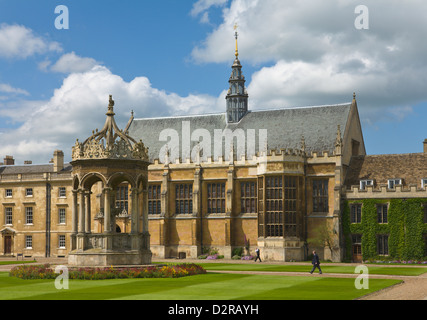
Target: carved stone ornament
[(110, 142)]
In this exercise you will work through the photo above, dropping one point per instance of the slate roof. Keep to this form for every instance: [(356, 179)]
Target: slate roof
[(285, 127), (411, 167), (32, 168)]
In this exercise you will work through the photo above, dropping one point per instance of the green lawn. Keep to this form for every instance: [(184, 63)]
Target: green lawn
[(3, 263), (393, 270), (212, 286)]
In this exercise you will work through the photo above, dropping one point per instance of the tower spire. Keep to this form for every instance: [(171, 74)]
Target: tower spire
[(237, 96)]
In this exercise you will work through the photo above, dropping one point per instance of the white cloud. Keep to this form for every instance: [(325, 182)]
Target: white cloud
[(315, 55), (79, 106), (44, 65), (202, 5), (7, 88), (70, 62), (17, 41)]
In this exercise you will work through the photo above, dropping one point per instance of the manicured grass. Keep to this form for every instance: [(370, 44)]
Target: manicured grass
[(3, 263), (200, 287), (393, 270)]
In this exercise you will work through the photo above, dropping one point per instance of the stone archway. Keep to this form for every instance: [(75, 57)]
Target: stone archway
[(109, 157)]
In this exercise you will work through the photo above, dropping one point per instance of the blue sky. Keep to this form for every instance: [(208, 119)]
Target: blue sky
[(173, 57)]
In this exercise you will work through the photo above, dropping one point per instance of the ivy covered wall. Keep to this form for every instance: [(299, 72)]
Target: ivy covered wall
[(405, 228)]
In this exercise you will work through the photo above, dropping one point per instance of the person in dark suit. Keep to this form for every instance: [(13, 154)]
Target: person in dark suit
[(257, 255), (316, 263)]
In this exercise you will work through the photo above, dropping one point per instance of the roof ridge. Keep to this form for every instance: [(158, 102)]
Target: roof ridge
[(249, 111), (393, 154), (304, 107)]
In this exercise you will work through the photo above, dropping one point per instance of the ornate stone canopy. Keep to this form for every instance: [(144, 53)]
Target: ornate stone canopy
[(109, 157), (110, 142)]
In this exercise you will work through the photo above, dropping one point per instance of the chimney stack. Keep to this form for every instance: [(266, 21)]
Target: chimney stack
[(425, 146), (9, 161), (58, 161)]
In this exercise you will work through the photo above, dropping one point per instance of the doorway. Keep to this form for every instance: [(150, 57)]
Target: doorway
[(356, 248), (7, 245), (357, 253)]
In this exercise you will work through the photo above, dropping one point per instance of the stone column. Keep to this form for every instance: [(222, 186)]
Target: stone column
[(88, 210), (81, 226), (82, 212), (144, 216), (230, 191), (74, 220), (134, 211), (165, 192), (197, 228), (197, 196), (107, 210)]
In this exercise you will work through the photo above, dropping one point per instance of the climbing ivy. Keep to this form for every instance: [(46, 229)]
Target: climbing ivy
[(405, 228)]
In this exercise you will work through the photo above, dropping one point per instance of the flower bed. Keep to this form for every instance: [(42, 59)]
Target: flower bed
[(167, 271), (397, 261)]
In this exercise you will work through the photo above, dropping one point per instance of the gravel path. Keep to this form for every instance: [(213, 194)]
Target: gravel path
[(414, 288)]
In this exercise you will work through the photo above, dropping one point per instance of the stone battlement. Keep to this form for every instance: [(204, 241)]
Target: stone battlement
[(383, 192)]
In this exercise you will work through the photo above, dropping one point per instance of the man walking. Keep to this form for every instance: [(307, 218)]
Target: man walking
[(316, 263), (257, 255)]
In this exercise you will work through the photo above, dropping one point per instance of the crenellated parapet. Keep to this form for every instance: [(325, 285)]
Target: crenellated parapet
[(383, 192), (261, 158)]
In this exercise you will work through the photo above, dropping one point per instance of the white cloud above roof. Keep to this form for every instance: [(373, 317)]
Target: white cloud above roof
[(310, 52), (20, 42), (70, 63)]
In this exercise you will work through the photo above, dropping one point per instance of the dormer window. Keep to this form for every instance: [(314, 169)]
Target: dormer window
[(364, 183), (394, 182)]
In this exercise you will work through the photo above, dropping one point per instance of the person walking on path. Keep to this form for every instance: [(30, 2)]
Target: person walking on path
[(257, 255), (316, 263)]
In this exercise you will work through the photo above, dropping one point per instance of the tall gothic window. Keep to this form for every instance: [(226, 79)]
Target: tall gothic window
[(248, 197), (382, 244), (382, 213), (154, 199), (216, 197), (274, 206), (320, 195), (290, 206), (356, 213), (184, 198), (278, 212)]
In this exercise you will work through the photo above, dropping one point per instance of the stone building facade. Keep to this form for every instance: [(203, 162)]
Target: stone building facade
[(36, 208), (281, 180), (385, 207)]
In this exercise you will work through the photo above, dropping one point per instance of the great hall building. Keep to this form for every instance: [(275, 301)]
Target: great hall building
[(286, 181)]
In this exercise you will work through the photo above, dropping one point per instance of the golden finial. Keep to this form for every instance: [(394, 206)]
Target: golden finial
[(236, 36)]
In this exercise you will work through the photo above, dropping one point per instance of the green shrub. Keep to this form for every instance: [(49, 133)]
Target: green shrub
[(237, 251)]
